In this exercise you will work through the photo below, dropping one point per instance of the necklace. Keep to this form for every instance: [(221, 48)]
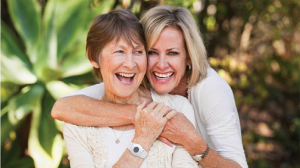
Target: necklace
[(118, 139), (188, 90)]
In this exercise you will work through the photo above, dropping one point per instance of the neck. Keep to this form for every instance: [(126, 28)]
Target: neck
[(181, 88), (135, 98)]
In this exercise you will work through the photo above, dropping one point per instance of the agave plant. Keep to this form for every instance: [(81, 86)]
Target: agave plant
[(39, 64)]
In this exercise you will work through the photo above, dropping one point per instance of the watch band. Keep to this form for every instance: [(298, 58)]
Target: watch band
[(203, 155), (137, 150)]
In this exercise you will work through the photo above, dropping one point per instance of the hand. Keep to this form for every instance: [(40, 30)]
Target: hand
[(181, 131), (166, 141), (150, 121)]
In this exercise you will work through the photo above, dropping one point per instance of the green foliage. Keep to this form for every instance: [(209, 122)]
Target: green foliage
[(32, 78)]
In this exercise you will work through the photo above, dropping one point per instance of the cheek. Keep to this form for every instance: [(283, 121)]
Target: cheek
[(151, 62), (180, 65), (143, 66)]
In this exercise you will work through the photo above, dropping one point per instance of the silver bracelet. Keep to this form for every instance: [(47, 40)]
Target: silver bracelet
[(203, 155)]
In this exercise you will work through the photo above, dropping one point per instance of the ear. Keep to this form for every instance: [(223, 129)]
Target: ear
[(95, 65), (188, 61)]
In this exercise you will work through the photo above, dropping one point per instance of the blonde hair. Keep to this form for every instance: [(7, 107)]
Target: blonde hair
[(159, 17)]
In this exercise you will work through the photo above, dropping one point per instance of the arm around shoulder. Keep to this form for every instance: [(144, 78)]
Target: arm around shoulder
[(219, 114), (84, 108)]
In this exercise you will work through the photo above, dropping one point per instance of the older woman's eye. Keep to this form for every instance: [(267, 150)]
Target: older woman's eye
[(119, 52), (152, 53), (138, 52), (173, 53)]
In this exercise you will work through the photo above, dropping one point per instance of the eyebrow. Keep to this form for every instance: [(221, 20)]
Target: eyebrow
[(138, 46), (169, 49)]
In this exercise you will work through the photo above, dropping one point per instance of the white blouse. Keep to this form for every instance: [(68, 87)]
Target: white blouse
[(217, 119), (96, 147)]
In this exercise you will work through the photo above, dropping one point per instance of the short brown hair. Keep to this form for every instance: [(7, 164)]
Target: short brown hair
[(118, 23)]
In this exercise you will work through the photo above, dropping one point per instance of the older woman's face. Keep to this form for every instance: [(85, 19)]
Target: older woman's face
[(167, 60), (122, 67)]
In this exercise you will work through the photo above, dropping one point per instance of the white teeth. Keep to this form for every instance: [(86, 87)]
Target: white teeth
[(167, 75), (126, 75)]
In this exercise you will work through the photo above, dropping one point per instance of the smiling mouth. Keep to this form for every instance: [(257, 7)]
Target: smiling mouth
[(163, 75), (125, 78)]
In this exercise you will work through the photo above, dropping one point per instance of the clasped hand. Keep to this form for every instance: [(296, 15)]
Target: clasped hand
[(151, 120)]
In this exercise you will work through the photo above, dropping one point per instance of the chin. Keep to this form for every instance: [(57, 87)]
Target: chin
[(162, 89), (124, 94)]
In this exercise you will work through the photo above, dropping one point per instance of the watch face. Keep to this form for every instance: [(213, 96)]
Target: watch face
[(136, 149)]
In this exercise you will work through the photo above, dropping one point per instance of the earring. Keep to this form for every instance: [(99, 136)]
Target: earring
[(190, 67)]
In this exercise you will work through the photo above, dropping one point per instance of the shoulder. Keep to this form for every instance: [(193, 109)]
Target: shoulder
[(177, 102), (94, 91), (173, 101), (213, 86), (67, 128), (73, 132), (211, 82), (213, 97)]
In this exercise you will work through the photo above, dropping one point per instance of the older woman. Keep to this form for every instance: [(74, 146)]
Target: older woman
[(177, 64), (115, 48)]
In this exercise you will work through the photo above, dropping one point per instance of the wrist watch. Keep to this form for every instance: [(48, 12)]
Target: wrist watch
[(201, 156), (137, 150)]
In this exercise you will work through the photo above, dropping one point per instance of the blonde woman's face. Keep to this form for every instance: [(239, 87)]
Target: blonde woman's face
[(167, 60)]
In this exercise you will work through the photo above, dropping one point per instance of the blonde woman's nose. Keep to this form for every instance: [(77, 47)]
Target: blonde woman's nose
[(162, 62)]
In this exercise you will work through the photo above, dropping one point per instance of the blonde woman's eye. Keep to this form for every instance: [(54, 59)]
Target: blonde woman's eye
[(152, 53), (173, 53)]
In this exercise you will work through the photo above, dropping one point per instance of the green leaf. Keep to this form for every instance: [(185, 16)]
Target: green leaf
[(48, 46), (58, 89), (26, 17), (9, 45), (40, 156), (47, 129), (7, 90), (103, 7), (81, 79), (46, 74), (6, 127), (15, 66), (69, 29), (14, 70), (11, 151), (25, 162), (76, 64), (24, 103), (11, 155)]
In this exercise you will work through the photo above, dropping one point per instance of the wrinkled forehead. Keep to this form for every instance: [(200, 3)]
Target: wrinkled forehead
[(125, 41)]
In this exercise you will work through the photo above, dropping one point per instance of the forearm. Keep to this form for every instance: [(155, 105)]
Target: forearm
[(196, 145), (86, 111), (215, 160), (127, 160)]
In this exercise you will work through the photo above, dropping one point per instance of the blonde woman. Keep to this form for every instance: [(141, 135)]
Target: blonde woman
[(177, 64)]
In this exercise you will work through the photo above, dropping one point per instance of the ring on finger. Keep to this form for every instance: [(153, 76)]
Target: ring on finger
[(167, 117)]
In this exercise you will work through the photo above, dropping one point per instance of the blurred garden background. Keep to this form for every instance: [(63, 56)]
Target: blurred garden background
[(253, 44)]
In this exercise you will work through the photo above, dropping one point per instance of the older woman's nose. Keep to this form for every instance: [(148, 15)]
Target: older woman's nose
[(129, 61)]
